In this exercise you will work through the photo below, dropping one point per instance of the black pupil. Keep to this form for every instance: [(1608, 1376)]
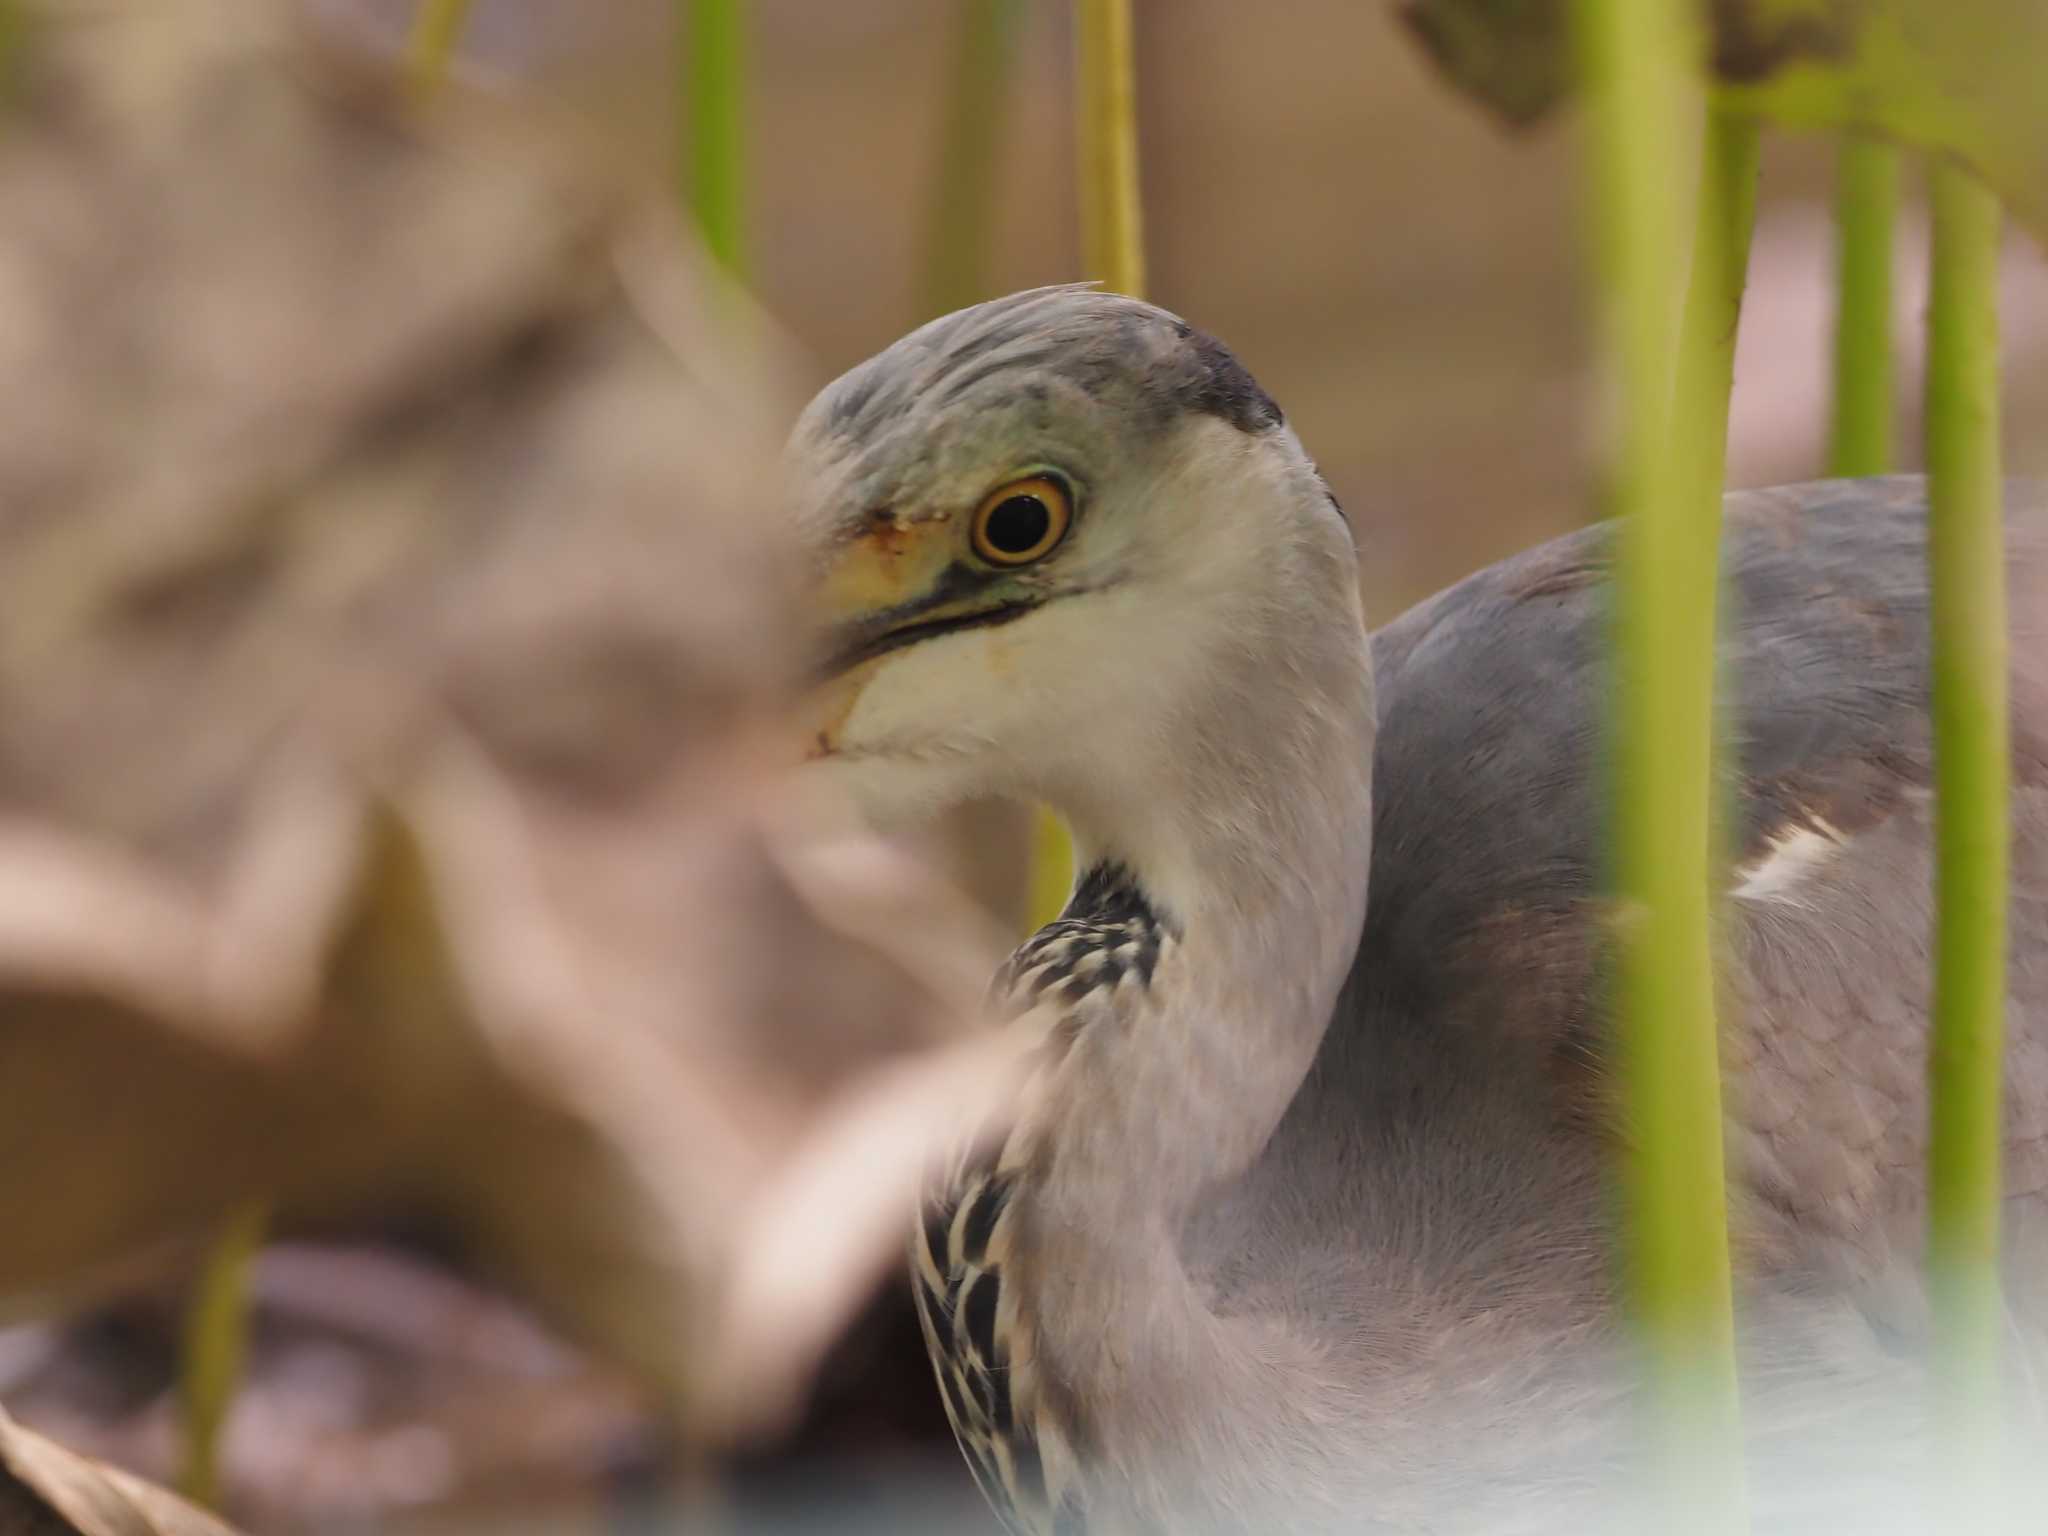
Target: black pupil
[(1017, 525)]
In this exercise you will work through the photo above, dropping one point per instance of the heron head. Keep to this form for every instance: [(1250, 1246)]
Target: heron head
[(1052, 533)]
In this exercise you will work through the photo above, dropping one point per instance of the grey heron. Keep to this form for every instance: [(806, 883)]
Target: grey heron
[(1302, 1217)]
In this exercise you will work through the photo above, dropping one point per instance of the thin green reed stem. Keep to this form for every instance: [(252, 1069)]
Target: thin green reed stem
[(1725, 221), (216, 1343), (964, 194), (1112, 237), (714, 39), (1633, 62), (1971, 763), (1866, 208), (436, 30)]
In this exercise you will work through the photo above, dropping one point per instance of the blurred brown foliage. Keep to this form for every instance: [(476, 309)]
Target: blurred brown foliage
[(46, 1489), (394, 629)]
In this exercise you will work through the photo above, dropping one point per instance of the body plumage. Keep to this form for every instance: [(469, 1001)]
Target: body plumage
[(1303, 1219)]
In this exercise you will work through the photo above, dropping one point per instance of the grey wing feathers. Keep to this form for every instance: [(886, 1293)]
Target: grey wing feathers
[(1483, 929)]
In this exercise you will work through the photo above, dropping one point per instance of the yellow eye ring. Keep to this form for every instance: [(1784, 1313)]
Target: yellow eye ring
[(1022, 522)]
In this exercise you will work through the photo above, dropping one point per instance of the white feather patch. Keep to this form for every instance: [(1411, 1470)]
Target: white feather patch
[(1777, 874)]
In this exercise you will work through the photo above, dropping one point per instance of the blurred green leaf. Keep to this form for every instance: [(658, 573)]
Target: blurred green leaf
[(1964, 76), (1958, 75)]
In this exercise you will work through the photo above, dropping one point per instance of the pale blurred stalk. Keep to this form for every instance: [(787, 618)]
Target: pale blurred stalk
[(713, 36), (215, 1350), (963, 194), (1113, 253), (436, 30), (1866, 209), (1633, 58), (988, 847), (13, 32), (1971, 766), (1112, 237)]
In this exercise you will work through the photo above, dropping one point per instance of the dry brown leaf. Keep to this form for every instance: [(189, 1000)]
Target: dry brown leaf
[(394, 624), (46, 1490)]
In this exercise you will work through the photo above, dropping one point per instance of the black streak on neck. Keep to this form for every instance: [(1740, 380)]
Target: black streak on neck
[(1109, 894), (1108, 915)]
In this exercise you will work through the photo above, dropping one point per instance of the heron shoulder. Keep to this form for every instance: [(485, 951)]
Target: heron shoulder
[(1493, 700)]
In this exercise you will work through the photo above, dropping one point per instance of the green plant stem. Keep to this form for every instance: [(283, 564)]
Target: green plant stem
[(1725, 221), (1632, 58), (1866, 208), (436, 29), (963, 201), (714, 59), (215, 1346), (1971, 769), (1112, 239)]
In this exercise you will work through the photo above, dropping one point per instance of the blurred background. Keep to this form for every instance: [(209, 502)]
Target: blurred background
[(362, 492), (1400, 271)]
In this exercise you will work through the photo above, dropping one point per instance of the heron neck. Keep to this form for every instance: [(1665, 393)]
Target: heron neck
[(1256, 907), (1245, 830), (1244, 824)]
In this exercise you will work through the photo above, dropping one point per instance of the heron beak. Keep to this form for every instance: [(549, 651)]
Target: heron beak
[(898, 584), (894, 585)]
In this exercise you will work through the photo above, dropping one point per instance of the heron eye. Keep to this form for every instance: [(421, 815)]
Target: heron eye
[(1022, 521)]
